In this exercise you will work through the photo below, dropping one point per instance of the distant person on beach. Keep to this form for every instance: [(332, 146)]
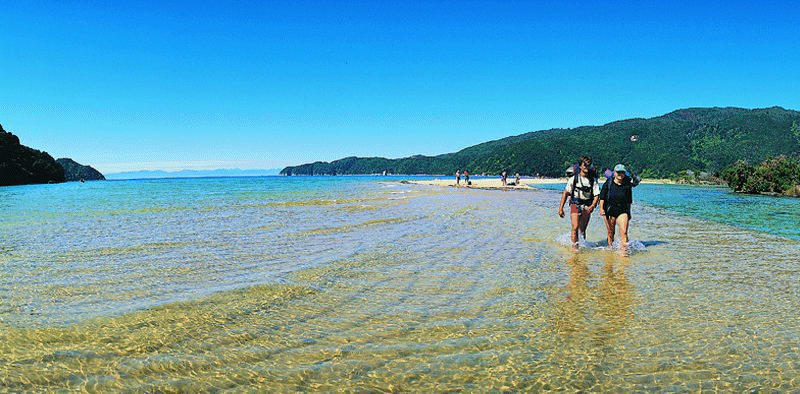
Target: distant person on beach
[(458, 177), (583, 192), (504, 178), (466, 177), (516, 179), (615, 205)]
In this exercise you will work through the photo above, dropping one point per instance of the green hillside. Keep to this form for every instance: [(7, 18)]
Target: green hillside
[(696, 139)]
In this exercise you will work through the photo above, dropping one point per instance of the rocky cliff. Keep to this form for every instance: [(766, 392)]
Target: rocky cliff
[(20, 165)]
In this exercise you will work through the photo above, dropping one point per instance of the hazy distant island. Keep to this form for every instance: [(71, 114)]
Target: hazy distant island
[(150, 174), (21, 165), (687, 142)]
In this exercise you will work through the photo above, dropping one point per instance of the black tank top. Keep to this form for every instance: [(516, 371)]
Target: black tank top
[(617, 195)]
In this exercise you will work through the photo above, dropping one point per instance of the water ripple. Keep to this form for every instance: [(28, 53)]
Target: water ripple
[(338, 287)]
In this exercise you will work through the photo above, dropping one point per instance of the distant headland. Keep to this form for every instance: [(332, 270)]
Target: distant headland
[(21, 165), (78, 172)]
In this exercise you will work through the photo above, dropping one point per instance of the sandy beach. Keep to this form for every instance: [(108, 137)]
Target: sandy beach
[(491, 183), (524, 183)]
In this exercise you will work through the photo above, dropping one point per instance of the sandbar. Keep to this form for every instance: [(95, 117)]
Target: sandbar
[(524, 183), (491, 183)]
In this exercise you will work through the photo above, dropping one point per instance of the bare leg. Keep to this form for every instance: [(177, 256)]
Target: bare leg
[(575, 228), (585, 216), (611, 223), (623, 220)]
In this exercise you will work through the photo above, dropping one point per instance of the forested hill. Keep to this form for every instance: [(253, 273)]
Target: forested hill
[(78, 172), (696, 139), (21, 165)]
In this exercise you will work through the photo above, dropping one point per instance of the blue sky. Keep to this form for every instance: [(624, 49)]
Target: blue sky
[(170, 85)]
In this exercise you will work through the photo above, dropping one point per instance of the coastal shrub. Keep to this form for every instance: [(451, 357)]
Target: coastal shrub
[(736, 175), (794, 191), (775, 175)]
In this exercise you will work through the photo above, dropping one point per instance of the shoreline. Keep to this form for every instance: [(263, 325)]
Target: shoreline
[(524, 183)]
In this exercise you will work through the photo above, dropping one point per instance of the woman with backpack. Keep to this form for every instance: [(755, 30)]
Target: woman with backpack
[(583, 193), (615, 205)]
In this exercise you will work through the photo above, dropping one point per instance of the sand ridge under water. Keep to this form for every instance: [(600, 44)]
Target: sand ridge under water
[(395, 287)]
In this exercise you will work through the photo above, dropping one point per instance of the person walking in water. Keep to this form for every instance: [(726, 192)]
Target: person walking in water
[(583, 192), (615, 205)]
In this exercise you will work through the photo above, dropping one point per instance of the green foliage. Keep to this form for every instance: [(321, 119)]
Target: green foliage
[(737, 175), (696, 139), (775, 175)]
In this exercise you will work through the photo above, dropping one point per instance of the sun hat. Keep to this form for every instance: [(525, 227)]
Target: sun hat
[(619, 168)]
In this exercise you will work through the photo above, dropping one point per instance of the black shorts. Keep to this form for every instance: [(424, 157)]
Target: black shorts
[(615, 210)]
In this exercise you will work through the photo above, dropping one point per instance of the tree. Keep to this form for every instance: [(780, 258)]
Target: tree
[(775, 175), (796, 130)]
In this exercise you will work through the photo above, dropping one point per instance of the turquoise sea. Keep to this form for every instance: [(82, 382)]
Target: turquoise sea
[(369, 284)]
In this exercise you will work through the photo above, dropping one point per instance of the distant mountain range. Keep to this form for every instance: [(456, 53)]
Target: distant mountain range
[(21, 165), (695, 139), (191, 174)]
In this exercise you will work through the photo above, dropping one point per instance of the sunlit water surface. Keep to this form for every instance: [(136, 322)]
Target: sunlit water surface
[(368, 284)]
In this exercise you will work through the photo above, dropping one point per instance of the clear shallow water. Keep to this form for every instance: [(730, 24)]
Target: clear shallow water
[(361, 284), (775, 215)]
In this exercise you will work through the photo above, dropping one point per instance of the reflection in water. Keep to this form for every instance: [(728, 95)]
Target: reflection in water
[(595, 311), (591, 321), (593, 315), (615, 294), (571, 310)]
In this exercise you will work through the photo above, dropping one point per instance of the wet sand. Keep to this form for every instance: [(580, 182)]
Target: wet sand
[(491, 183), (524, 183)]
